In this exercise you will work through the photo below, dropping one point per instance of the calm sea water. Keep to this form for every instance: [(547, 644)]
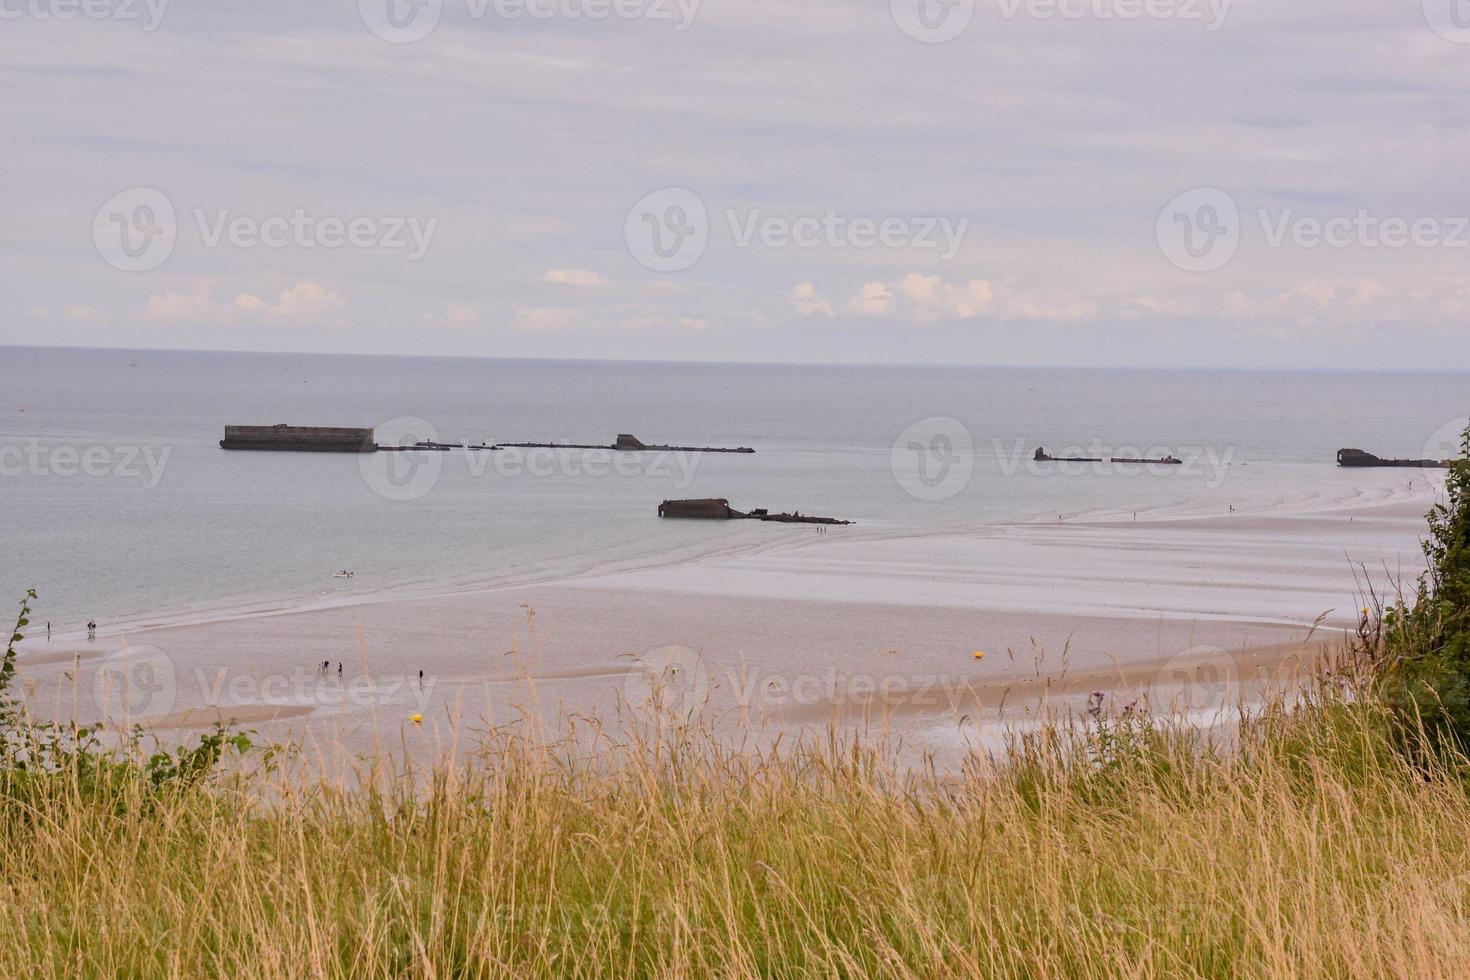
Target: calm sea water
[(117, 502)]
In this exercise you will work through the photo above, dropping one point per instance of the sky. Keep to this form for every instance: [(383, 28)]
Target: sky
[(1257, 183)]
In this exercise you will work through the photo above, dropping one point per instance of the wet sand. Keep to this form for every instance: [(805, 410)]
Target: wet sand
[(808, 630)]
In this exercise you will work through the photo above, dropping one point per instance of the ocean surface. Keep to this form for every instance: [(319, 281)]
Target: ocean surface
[(116, 501)]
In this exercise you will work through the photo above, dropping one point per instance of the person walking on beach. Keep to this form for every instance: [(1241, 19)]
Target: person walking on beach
[(48, 631)]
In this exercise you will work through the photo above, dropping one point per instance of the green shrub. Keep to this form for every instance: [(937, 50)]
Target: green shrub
[(1426, 644), (36, 754)]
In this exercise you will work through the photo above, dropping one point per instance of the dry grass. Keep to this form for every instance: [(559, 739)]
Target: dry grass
[(1120, 849)]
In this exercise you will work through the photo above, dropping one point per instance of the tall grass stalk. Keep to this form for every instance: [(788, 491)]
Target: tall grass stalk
[(1117, 846)]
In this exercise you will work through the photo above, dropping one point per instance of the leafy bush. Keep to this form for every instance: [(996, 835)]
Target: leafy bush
[(33, 755), (1426, 645)]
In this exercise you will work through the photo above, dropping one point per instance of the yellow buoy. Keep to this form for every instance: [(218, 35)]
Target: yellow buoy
[(978, 654), (417, 718)]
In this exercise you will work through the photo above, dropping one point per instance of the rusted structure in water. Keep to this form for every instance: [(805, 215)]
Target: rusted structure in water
[(627, 444), (1356, 457), (707, 509), (719, 509), (299, 438), (324, 439), (1042, 456)]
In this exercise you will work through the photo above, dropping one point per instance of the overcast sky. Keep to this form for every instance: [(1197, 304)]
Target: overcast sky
[(1110, 182)]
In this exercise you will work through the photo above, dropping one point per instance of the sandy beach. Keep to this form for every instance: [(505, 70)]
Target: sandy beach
[(872, 626)]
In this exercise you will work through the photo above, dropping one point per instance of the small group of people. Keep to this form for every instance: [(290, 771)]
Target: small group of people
[(327, 666), (91, 629)]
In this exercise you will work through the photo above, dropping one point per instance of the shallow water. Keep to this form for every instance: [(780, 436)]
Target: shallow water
[(119, 504)]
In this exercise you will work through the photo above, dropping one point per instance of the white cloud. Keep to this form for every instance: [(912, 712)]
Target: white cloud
[(197, 305), (804, 297), (919, 298), (1069, 148), (1142, 306), (1318, 304), (308, 302), (874, 299), (575, 277), (305, 302), (652, 322)]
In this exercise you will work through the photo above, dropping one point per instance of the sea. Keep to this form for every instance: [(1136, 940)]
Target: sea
[(118, 504)]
